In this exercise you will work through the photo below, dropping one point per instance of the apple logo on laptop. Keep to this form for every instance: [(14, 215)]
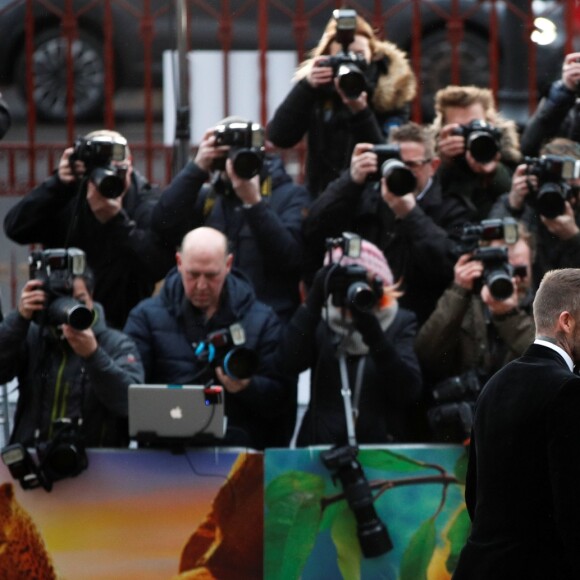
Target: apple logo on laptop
[(176, 413)]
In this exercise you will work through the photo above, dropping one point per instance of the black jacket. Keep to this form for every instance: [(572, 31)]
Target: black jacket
[(390, 386), (557, 115), (266, 239), (419, 249), (54, 382), (523, 477), (126, 257)]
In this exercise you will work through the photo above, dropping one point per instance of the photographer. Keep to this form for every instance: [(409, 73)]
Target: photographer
[(112, 227), (558, 233), (376, 340), (259, 211), (477, 147), (333, 120), (413, 227), (558, 114), (66, 372), (474, 331), (204, 295)]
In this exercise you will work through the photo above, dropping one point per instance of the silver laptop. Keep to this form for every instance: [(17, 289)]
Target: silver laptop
[(176, 412)]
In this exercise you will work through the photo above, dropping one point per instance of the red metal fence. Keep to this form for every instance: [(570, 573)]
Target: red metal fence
[(142, 28)]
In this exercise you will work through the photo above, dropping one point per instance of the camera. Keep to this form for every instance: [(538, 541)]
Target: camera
[(246, 142), (225, 348), (505, 229), (98, 154), (372, 533), (57, 268), (553, 173), (349, 285), (399, 178), (482, 140), (347, 66), (62, 456), (451, 417), (497, 271)]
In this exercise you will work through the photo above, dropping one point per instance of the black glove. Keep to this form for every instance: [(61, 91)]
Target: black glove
[(368, 325), (317, 292)]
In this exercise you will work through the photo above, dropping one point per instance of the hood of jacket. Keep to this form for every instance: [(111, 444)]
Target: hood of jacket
[(238, 288), (396, 85)]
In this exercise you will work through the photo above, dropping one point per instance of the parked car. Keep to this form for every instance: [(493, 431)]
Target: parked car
[(128, 26)]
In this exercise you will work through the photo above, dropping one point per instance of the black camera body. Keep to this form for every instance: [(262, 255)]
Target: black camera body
[(553, 173), (451, 416), (246, 141), (505, 229), (372, 533), (347, 66), (98, 154), (57, 268), (349, 285), (350, 288), (62, 456), (482, 140), (399, 178), (497, 271), (224, 348)]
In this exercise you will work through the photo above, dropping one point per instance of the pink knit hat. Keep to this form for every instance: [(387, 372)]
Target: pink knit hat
[(371, 259)]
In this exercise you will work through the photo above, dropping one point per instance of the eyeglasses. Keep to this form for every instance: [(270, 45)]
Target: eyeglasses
[(416, 164)]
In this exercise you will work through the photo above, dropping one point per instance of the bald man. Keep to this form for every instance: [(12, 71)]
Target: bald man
[(201, 296), (523, 474)]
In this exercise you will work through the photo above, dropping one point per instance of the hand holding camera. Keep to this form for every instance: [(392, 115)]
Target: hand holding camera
[(230, 384), (363, 163), (466, 271), (67, 173), (522, 184), (497, 306), (319, 75), (248, 190), (562, 226), (32, 299), (571, 71), (83, 342), (208, 152)]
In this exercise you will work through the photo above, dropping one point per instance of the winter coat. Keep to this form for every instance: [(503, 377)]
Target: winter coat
[(167, 330), (54, 382), (461, 335), (266, 239), (557, 115), (125, 255), (390, 387), (332, 129)]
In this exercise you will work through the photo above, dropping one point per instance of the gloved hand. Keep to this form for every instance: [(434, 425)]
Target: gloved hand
[(368, 325), (317, 293)]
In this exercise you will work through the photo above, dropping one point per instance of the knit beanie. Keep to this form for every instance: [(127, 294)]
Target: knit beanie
[(371, 259)]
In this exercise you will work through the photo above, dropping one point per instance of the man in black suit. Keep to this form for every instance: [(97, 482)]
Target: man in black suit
[(523, 478)]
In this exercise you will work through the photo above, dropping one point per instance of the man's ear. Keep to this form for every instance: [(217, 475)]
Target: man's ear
[(229, 262), (178, 260)]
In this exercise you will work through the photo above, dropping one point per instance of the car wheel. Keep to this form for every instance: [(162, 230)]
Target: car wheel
[(50, 76), (436, 65)]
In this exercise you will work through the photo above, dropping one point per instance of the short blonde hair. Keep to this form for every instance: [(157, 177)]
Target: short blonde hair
[(465, 96)]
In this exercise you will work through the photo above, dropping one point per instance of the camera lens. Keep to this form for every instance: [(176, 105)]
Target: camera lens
[(499, 284), (399, 178), (351, 80), (247, 163), (67, 310), (108, 182), (240, 363), (361, 296), (482, 146), (550, 200)]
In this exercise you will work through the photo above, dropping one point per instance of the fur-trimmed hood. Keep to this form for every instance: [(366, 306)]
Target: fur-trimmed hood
[(395, 88)]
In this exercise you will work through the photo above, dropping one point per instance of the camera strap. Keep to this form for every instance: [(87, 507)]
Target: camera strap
[(351, 406)]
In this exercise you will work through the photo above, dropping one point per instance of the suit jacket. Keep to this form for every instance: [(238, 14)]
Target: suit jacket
[(523, 478)]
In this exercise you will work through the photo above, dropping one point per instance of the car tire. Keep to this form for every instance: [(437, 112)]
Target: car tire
[(50, 76), (436, 65)]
